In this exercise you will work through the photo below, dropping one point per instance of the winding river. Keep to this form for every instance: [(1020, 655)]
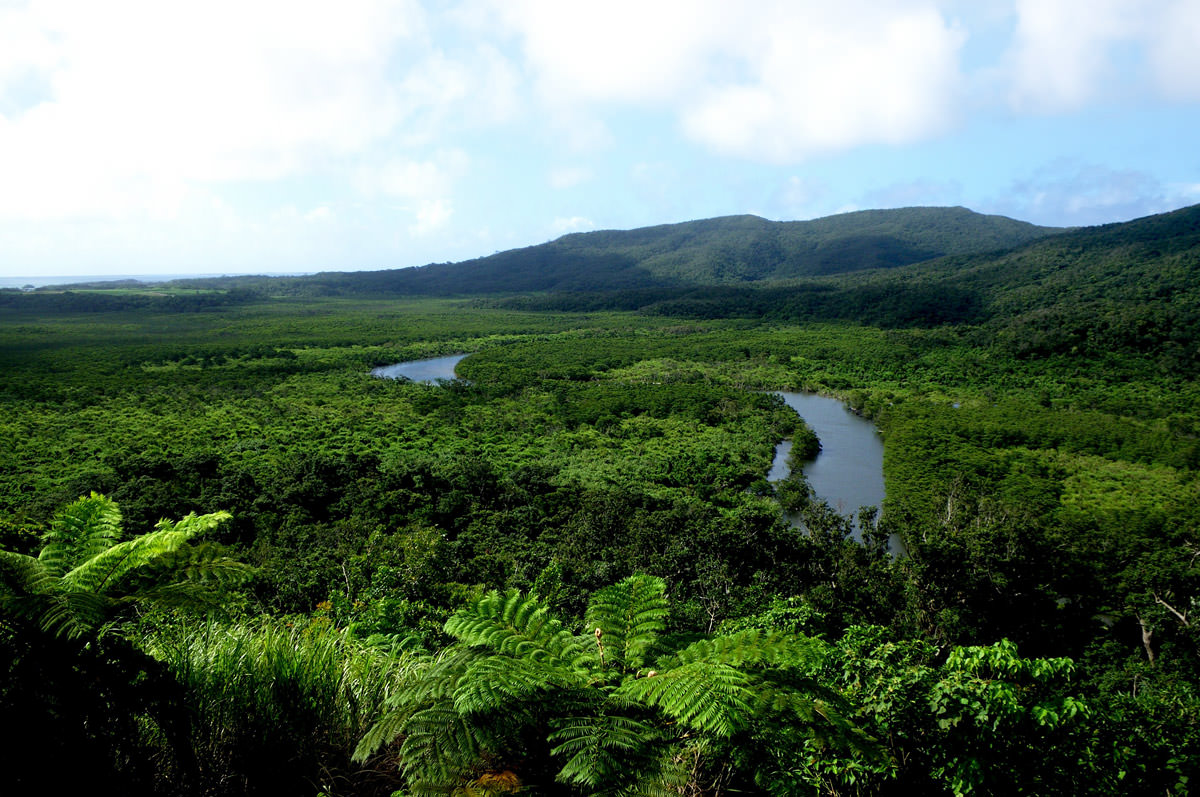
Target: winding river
[(848, 473)]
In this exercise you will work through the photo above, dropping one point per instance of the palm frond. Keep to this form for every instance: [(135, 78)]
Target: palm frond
[(629, 616)]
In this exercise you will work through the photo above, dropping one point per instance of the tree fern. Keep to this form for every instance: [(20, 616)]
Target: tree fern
[(111, 565), (599, 748), (79, 531), (517, 626), (713, 698), (613, 724), (440, 748), (68, 610), (83, 579), (629, 616), (496, 683), (753, 648)]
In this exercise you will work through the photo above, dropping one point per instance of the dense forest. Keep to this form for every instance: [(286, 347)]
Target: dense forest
[(234, 562)]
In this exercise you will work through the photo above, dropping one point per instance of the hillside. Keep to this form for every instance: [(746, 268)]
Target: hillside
[(1132, 286), (1128, 287), (731, 250), (1042, 464)]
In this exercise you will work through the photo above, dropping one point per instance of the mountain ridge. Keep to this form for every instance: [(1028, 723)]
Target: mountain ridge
[(725, 250)]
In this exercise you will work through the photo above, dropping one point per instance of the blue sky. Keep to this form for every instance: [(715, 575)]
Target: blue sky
[(254, 136)]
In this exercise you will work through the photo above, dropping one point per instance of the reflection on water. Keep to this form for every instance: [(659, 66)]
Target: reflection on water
[(427, 371), (848, 473)]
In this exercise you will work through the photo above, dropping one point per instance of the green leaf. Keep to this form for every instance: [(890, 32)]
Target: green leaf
[(627, 618)]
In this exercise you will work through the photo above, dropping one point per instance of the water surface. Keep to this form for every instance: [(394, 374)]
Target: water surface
[(848, 473), (427, 371)]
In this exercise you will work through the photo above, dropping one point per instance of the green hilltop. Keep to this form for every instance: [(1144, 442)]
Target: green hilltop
[(730, 250)]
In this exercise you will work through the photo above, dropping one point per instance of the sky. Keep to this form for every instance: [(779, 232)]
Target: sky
[(264, 136)]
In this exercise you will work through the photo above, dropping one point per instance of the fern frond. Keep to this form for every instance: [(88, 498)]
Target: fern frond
[(203, 568), (80, 530), (99, 572), (24, 575), (666, 774), (67, 614), (754, 648), (32, 596), (823, 712), (501, 682), (602, 748), (431, 681), (440, 748), (714, 698), (516, 625), (629, 616)]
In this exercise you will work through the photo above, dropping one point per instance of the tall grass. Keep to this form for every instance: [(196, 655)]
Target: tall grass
[(279, 709)]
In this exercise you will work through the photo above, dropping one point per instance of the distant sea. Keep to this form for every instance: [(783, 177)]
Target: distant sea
[(38, 282)]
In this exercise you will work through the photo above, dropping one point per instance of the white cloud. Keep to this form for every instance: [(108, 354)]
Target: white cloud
[(620, 51), (1061, 54), (144, 100), (1174, 50), (779, 80), (320, 214), (833, 79), (914, 193), (414, 179), (432, 215), (799, 197), (1072, 193), (563, 225), (1067, 54)]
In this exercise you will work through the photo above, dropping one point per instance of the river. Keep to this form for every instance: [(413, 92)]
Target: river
[(427, 371), (848, 473)]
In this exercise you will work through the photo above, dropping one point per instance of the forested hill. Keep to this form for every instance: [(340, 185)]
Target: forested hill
[(1152, 258), (1132, 287), (731, 250)]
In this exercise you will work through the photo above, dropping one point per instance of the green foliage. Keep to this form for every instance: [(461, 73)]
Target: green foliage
[(67, 627), (627, 618), (517, 691), (1040, 419), (723, 251), (84, 581), (963, 725), (280, 708)]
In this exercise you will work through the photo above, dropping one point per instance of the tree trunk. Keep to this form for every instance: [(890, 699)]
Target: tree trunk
[(1147, 639)]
